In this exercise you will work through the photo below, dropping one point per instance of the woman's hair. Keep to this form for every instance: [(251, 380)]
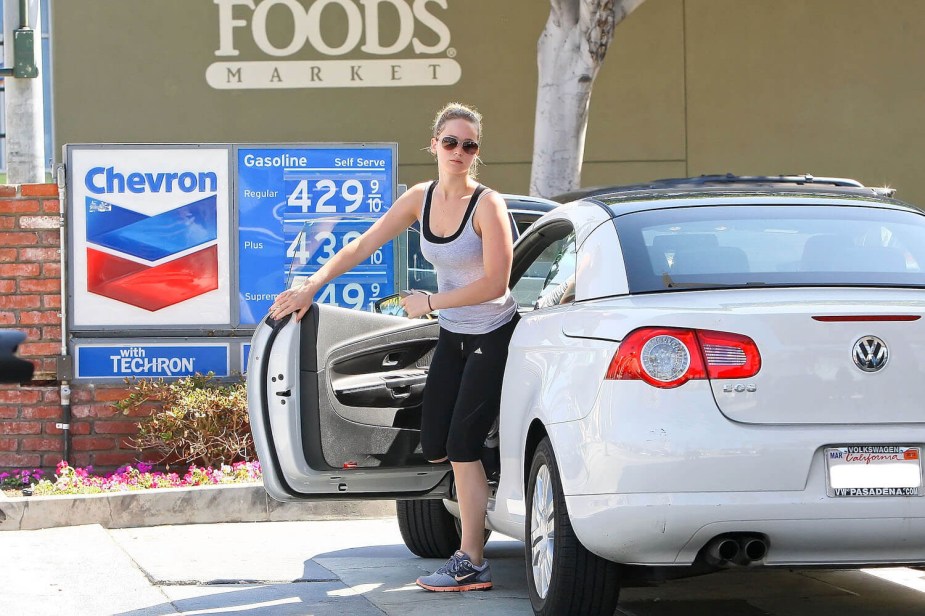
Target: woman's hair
[(458, 111), (454, 111)]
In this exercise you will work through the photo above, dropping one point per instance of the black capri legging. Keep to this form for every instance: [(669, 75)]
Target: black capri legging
[(462, 395)]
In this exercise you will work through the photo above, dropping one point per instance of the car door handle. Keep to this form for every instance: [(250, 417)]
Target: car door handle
[(403, 386), (391, 360), (400, 392), (398, 388)]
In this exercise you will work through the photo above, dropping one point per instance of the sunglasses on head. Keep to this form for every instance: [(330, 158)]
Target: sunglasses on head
[(469, 146)]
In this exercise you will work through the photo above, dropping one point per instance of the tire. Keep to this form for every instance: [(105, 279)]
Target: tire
[(563, 578), (427, 528)]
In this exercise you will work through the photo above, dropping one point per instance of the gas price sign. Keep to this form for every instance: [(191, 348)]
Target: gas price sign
[(297, 207)]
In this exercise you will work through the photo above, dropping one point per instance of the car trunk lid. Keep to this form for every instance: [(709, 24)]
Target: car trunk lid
[(828, 356)]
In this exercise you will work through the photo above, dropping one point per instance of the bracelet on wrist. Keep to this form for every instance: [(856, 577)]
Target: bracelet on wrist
[(428, 303)]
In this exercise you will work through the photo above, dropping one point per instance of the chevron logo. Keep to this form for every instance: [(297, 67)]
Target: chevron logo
[(152, 261)]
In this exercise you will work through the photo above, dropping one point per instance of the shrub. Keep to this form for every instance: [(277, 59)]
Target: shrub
[(198, 420)]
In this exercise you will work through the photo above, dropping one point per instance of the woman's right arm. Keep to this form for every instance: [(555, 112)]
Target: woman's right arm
[(402, 214)]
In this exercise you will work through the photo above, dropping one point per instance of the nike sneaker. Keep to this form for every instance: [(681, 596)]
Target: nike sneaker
[(458, 574)]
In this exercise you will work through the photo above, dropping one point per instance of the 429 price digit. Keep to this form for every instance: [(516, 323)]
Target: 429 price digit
[(349, 196)]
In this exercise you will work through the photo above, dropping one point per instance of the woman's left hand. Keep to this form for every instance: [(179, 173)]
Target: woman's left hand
[(415, 304), (297, 300)]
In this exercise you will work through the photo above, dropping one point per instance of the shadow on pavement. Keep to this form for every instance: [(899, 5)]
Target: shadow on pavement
[(359, 581)]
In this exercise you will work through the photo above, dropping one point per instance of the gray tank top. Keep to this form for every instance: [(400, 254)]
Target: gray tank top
[(458, 262)]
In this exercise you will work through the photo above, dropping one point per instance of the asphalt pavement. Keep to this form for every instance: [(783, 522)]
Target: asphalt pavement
[(360, 567)]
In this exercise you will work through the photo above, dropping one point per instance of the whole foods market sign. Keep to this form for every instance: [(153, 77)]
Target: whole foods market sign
[(363, 52)]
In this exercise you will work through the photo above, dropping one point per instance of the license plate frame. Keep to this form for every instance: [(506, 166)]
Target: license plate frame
[(870, 470)]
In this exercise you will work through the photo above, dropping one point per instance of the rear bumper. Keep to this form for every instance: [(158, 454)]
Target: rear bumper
[(651, 479), (670, 529)]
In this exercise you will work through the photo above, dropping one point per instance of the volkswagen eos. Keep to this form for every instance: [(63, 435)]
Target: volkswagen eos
[(709, 372)]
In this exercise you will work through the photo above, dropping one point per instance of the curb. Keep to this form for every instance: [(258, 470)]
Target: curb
[(197, 505)]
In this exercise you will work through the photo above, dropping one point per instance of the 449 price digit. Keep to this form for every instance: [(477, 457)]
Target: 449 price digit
[(351, 295)]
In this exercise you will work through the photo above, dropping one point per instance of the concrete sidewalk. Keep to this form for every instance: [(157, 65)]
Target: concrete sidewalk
[(361, 568), (357, 567)]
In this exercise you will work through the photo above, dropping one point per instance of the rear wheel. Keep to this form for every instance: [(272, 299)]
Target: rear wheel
[(563, 578), (427, 528)]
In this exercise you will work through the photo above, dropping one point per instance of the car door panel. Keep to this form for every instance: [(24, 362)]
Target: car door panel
[(368, 386), (387, 377), (335, 405)]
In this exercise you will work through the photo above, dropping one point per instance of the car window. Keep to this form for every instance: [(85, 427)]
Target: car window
[(522, 220), (549, 278), (783, 245)]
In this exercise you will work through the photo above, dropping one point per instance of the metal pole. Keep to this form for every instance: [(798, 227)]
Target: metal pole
[(25, 134), (64, 372)]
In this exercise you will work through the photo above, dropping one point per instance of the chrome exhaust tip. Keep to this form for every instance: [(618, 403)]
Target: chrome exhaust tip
[(735, 549), (722, 551), (754, 549)]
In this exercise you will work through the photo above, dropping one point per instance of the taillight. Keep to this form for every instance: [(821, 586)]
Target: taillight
[(729, 356), (669, 357)]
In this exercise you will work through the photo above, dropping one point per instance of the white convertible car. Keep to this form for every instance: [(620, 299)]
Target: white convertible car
[(708, 373)]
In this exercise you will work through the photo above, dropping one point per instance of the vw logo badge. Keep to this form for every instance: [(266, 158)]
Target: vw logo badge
[(870, 354)]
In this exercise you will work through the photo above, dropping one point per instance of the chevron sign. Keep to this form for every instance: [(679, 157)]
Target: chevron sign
[(150, 241)]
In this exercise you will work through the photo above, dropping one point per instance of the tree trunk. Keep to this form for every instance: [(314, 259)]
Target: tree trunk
[(570, 52)]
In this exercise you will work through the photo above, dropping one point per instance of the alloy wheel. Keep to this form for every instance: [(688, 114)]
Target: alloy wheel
[(542, 531)]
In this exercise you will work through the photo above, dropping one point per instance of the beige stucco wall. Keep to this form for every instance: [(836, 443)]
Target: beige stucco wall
[(831, 87), (828, 87)]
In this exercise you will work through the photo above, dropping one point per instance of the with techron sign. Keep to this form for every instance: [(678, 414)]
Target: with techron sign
[(363, 54)]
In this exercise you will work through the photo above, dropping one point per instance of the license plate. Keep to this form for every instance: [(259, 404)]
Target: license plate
[(873, 470)]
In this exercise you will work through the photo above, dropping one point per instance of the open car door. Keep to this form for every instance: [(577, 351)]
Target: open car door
[(335, 406)]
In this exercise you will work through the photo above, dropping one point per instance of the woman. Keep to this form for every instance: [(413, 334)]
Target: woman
[(467, 237)]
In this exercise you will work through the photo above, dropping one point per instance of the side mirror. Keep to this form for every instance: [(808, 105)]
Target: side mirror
[(12, 368)]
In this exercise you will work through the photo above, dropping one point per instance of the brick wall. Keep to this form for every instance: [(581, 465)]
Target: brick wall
[(30, 301)]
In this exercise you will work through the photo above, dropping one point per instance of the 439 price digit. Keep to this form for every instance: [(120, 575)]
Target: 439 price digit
[(325, 245)]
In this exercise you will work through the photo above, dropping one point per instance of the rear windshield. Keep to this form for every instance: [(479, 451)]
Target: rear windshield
[(782, 245)]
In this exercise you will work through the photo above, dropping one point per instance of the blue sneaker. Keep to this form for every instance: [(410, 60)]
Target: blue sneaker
[(458, 574)]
